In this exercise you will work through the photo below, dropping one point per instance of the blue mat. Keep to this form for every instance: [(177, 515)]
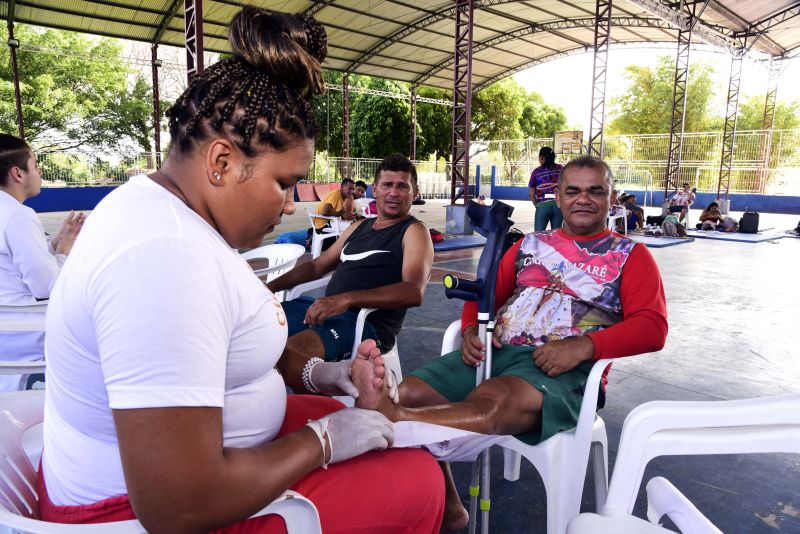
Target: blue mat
[(660, 242), (462, 241), (297, 237), (765, 235)]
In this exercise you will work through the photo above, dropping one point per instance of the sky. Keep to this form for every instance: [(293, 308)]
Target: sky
[(566, 82)]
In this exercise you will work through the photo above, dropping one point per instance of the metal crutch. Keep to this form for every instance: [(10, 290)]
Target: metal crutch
[(493, 223)]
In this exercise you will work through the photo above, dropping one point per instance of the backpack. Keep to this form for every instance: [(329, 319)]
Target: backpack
[(513, 235), (730, 224), (436, 235)]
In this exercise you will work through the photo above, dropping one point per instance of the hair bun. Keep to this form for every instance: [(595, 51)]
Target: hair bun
[(289, 48)]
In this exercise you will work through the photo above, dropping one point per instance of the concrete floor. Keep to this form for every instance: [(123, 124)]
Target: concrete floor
[(733, 317)]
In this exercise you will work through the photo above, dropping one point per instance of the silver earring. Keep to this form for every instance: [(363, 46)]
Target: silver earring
[(218, 176)]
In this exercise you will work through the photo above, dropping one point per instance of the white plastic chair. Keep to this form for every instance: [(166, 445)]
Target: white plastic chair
[(561, 460), (280, 257), (19, 506), (617, 213), (330, 231), (12, 320), (391, 358), (675, 428), (362, 207)]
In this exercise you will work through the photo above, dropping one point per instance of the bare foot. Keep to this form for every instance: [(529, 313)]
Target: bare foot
[(367, 373), (455, 517)]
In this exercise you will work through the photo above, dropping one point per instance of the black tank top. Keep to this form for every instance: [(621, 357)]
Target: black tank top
[(369, 259)]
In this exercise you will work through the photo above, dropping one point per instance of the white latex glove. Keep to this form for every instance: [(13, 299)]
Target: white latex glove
[(333, 378), (392, 385), (354, 431)]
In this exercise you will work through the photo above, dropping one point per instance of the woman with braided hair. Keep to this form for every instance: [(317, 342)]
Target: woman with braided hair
[(162, 401)]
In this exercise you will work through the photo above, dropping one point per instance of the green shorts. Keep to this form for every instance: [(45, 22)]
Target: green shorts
[(563, 395)]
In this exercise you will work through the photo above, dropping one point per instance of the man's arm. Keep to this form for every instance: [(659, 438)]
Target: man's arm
[(30, 254), (417, 262), (644, 311), (314, 269)]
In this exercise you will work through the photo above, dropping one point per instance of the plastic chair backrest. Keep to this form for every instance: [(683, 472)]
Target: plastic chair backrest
[(280, 257), (19, 506), (23, 318), (760, 425)]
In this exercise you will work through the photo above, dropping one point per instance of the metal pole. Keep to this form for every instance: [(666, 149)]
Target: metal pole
[(768, 122), (156, 63), (346, 124), (602, 38), (729, 131), (462, 99), (413, 150), (193, 17), (13, 44)]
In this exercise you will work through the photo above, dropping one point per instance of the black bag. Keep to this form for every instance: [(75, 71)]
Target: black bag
[(654, 220), (748, 224), (513, 235)]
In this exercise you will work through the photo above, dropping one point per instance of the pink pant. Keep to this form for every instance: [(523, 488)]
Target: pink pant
[(399, 490)]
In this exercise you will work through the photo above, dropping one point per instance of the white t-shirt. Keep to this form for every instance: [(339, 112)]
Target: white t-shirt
[(153, 309), (28, 270)]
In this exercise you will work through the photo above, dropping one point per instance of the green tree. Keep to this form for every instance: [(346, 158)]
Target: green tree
[(328, 109), (496, 111), (646, 108), (751, 114), (540, 119), (380, 125), (434, 124), (75, 92)]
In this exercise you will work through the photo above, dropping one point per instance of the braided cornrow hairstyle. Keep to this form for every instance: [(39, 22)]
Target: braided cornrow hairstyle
[(261, 95)]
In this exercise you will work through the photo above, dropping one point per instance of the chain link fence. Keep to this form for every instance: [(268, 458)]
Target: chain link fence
[(764, 162)]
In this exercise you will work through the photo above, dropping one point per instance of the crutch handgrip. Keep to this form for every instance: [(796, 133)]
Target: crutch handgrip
[(461, 288)]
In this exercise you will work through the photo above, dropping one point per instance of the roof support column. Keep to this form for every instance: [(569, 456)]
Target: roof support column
[(346, 118), (193, 17), (679, 102), (602, 37), (155, 64), (13, 44), (462, 99), (729, 131), (413, 151), (768, 122)]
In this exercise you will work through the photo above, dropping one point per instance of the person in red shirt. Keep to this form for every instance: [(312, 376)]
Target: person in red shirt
[(564, 298)]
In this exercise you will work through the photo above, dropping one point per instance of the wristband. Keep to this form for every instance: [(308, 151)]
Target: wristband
[(306, 375), (320, 428)]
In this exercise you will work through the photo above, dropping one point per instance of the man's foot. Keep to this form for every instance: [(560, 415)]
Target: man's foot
[(455, 517), (367, 374)]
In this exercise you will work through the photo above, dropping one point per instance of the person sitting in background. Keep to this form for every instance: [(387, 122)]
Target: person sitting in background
[(29, 262), (681, 201), (635, 212), (382, 262), (542, 188), (360, 190), (163, 402), (337, 203), (711, 218)]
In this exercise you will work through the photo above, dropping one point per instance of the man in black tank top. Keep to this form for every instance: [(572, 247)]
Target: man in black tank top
[(381, 263)]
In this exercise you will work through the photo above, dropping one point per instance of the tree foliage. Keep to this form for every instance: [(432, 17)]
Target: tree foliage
[(540, 119), (434, 124), (496, 111), (379, 125), (646, 107), (79, 99), (751, 114)]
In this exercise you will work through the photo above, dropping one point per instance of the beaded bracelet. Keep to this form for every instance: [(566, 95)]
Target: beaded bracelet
[(320, 428), (306, 375)]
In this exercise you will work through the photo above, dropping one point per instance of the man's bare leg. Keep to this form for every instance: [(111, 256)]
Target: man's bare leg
[(504, 405), (300, 348)]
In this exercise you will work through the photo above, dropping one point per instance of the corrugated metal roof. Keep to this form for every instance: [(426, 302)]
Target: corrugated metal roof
[(414, 42)]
